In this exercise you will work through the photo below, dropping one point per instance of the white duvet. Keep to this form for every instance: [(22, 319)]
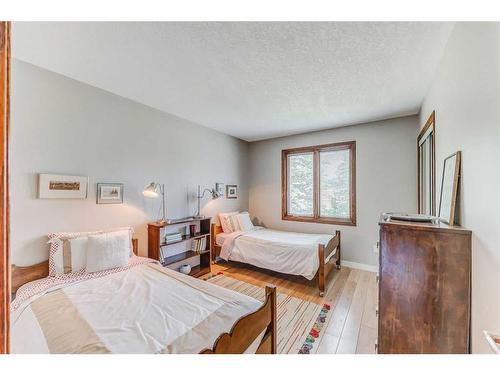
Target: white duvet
[(144, 309), (285, 252)]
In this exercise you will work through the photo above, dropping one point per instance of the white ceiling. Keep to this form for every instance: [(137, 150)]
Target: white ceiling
[(250, 80)]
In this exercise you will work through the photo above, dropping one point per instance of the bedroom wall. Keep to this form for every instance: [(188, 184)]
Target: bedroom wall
[(385, 180), (466, 97), (63, 126)]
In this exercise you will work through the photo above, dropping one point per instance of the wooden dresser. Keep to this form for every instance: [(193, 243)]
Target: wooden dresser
[(424, 288)]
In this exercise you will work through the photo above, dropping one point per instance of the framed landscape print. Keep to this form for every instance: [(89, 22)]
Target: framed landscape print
[(56, 186), (109, 193), (231, 191), (449, 188)]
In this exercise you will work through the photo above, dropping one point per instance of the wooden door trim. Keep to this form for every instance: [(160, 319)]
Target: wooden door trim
[(4, 186), (431, 121)]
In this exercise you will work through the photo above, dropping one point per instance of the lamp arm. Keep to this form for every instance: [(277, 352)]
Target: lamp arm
[(204, 191), (200, 196)]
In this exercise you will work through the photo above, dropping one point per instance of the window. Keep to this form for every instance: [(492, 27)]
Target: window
[(319, 184)]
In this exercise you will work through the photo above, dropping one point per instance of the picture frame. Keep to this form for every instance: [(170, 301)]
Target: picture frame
[(109, 193), (449, 188), (59, 186), (231, 191)]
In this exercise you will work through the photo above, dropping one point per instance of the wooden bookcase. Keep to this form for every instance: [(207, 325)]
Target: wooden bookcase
[(156, 242)]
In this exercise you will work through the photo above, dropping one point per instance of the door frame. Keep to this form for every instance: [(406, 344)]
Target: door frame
[(431, 122), (5, 29)]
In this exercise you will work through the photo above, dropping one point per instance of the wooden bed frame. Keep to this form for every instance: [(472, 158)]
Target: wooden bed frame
[(324, 252), (243, 333)]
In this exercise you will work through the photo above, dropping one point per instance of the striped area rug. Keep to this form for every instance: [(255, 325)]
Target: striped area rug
[(296, 318)]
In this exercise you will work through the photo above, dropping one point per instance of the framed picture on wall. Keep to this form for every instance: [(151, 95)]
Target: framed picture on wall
[(109, 193), (57, 186), (231, 191), (449, 188)]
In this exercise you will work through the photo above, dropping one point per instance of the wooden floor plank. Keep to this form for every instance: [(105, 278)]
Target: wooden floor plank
[(349, 338), (369, 313), (351, 326), (332, 298), (339, 315), (366, 340)]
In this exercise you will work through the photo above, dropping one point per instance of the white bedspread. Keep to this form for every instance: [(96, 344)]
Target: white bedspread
[(286, 252), (145, 309)]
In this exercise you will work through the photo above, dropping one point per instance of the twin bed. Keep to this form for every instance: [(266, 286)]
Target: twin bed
[(285, 252), (140, 308)]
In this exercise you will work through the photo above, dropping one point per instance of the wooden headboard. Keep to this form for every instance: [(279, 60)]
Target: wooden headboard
[(214, 231), (23, 275)]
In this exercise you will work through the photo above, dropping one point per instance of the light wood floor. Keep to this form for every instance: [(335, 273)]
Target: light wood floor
[(351, 293)]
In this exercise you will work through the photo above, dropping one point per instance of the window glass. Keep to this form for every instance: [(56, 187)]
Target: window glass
[(334, 184), (300, 184)]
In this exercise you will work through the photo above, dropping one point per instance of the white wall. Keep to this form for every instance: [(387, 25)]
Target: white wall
[(466, 96), (385, 180), (62, 126)]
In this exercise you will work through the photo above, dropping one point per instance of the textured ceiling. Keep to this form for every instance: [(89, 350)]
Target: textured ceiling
[(251, 80)]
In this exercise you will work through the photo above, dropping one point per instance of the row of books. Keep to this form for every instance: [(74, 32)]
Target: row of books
[(163, 254), (199, 245), (173, 237)]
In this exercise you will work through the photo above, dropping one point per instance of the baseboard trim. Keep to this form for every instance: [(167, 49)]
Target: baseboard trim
[(360, 266)]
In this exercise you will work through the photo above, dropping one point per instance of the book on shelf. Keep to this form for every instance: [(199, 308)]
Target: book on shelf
[(199, 245), (173, 237), (162, 255)]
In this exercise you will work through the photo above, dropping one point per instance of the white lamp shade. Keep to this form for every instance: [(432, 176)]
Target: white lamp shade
[(151, 190)]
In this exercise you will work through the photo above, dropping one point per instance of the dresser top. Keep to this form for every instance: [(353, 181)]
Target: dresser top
[(177, 221), (440, 227)]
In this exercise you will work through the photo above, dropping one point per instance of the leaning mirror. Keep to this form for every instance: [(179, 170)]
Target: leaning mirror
[(449, 188)]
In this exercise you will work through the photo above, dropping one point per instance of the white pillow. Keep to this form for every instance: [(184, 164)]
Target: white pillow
[(108, 250), (59, 241), (228, 223), (244, 222), (75, 254)]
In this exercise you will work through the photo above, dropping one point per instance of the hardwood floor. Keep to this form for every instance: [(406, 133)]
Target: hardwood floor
[(352, 294)]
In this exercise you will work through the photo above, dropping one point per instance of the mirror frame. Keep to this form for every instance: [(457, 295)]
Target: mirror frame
[(451, 216)]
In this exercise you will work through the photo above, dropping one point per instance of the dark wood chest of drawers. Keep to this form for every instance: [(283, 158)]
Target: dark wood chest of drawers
[(424, 288)]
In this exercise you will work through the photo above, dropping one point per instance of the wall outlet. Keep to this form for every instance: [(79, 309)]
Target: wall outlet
[(376, 247)]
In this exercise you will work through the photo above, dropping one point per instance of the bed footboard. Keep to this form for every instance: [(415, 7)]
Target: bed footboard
[(324, 253), (248, 328)]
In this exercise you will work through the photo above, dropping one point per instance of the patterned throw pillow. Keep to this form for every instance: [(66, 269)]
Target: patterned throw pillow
[(227, 222), (233, 222)]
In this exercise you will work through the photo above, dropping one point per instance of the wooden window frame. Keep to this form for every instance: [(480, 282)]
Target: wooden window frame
[(315, 150), (431, 122)]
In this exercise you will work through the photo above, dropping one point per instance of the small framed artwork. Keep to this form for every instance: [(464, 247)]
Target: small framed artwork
[(109, 193), (449, 188), (57, 186), (231, 191)]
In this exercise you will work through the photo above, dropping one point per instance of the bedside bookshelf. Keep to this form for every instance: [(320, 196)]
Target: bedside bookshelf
[(156, 242)]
